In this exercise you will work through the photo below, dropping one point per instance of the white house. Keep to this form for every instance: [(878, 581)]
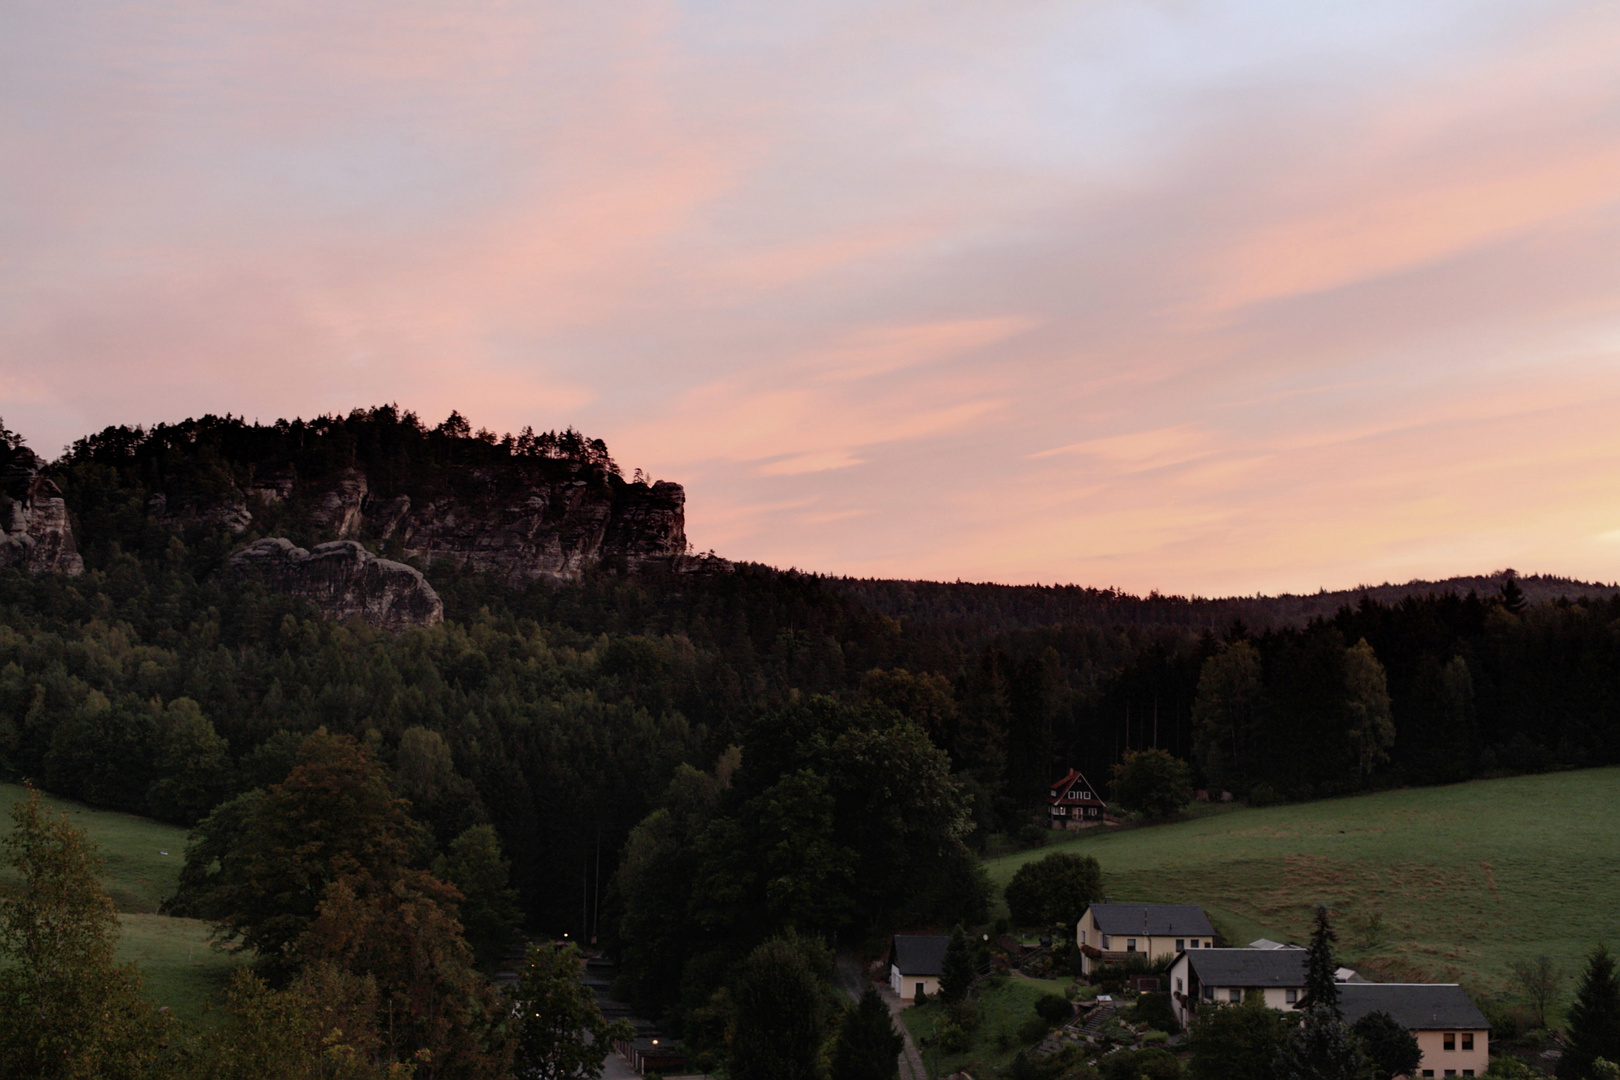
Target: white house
[(1110, 933), (1227, 975), (915, 963), (1453, 1034)]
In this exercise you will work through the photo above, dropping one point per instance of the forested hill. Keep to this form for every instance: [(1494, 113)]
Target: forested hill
[(681, 755), (988, 607)]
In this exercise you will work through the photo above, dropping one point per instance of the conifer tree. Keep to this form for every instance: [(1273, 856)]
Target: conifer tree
[(956, 975), (868, 1046), (1594, 1019), (1321, 988)]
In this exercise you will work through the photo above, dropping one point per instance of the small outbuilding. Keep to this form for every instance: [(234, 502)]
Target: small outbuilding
[(915, 963)]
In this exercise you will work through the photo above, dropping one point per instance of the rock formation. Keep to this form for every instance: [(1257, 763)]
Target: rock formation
[(342, 578), (34, 529)]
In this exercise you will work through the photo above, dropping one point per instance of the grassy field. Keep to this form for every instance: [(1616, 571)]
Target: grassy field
[(1445, 884), (142, 861)]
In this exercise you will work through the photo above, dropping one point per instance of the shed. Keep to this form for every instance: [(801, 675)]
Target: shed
[(916, 962)]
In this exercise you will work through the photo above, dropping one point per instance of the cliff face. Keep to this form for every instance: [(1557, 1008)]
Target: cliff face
[(34, 529), (343, 579), (553, 530)]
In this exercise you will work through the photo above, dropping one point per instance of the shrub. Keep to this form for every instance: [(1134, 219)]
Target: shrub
[(1155, 1038), (1033, 1030), (1054, 1008), (1154, 1064), (1154, 1010), (954, 1039)]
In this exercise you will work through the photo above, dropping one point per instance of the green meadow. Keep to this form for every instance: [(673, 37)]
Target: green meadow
[(182, 970), (1426, 884)]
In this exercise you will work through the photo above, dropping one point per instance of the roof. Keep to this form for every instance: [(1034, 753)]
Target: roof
[(1152, 920), (1248, 967), (1071, 779), (1267, 943), (920, 954), (1415, 1006)]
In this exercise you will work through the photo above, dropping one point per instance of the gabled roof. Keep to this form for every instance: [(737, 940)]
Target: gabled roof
[(920, 954), (1069, 780), (1152, 920), (1248, 967), (1415, 1006)]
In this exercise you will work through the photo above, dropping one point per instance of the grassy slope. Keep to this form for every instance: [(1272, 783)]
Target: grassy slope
[(1004, 1007), (181, 969), (1449, 883)]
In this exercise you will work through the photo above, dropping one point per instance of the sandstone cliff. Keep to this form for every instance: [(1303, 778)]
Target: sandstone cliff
[(518, 527), (34, 529), (343, 579)]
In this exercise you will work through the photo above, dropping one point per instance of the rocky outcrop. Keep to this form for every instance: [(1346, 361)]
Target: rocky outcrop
[(338, 502), (232, 515), (553, 531), (34, 530), (343, 579)]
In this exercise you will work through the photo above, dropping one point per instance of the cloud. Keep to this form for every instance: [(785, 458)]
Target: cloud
[(1210, 297)]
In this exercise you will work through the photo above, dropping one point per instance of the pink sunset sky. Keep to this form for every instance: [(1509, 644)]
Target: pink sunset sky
[(1203, 297)]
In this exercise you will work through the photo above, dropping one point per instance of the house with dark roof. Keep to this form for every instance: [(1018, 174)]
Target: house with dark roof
[(915, 963), (1073, 803), (1450, 1030), (1228, 975), (1111, 933)]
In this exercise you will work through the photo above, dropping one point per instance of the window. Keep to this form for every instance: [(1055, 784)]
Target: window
[(1181, 944), (1130, 944), (1235, 996), (1468, 1072), (1105, 941), (1428, 1072), (1468, 1041), (1195, 943), (1291, 996), (1451, 1072), (1082, 937), (1178, 984), (1450, 1040), (1209, 993)]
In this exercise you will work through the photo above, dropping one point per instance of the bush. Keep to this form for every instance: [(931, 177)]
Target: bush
[(954, 1039), (1054, 1008), (1154, 1010), (1033, 836), (1155, 1038), (1154, 1064), (1033, 1030), (964, 1014)]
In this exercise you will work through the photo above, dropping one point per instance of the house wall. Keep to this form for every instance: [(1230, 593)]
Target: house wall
[(1154, 948), (1439, 1059), (906, 985)]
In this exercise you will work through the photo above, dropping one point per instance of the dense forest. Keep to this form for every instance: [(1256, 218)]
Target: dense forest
[(764, 750)]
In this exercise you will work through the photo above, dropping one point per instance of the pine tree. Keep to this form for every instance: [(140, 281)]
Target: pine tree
[(868, 1046), (1321, 988), (956, 975), (1594, 1019)]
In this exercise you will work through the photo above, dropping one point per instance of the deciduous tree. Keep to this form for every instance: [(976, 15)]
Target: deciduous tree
[(1055, 890), (561, 1033)]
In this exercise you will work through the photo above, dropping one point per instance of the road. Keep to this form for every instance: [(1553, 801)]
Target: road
[(852, 981)]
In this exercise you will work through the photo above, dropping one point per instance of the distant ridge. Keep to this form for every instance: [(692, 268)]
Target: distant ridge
[(985, 606)]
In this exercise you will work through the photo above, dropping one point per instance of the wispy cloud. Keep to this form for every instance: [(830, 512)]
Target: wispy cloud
[(1202, 297)]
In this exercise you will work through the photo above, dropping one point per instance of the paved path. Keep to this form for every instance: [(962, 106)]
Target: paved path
[(853, 982)]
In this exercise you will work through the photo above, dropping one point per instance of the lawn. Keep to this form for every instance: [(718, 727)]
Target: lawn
[(1003, 1007), (1436, 884), (141, 866)]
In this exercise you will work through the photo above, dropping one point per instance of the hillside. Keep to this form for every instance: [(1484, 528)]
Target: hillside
[(988, 607), (1444, 883), (141, 865)]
